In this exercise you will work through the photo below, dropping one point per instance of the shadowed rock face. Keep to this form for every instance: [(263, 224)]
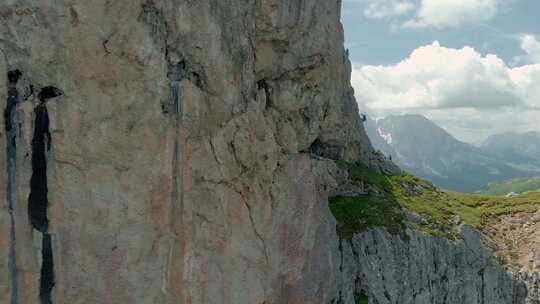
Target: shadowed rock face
[(428, 270), (179, 167)]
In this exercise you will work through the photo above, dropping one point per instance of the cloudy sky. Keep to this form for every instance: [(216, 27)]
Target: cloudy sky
[(472, 66)]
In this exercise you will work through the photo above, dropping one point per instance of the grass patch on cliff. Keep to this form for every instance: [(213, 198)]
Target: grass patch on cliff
[(441, 209), (359, 213), (361, 173)]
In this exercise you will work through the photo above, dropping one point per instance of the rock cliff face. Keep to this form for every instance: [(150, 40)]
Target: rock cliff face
[(176, 151), (426, 270), (159, 151)]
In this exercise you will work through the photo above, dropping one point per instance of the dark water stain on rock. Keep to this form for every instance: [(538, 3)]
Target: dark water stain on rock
[(37, 200), (46, 282), (11, 149)]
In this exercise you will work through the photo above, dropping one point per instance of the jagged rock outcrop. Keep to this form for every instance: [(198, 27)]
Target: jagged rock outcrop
[(173, 151), (426, 270)]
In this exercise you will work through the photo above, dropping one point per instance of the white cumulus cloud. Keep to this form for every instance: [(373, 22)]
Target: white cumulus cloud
[(531, 46), (432, 13), (437, 77), (442, 82), (442, 13)]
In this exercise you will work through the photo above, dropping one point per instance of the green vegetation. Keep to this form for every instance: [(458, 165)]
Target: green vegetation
[(516, 185), (441, 209), (357, 214), (361, 298), (363, 174)]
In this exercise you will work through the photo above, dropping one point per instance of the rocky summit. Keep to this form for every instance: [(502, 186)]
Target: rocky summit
[(205, 152)]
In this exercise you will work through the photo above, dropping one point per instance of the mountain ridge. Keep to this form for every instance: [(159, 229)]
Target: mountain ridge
[(420, 146)]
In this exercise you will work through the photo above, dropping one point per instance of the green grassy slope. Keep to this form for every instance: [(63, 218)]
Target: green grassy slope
[(440, 208), (516, 185)]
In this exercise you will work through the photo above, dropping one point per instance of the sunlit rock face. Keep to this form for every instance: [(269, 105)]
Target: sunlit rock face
[(159, 151), (175, 151)]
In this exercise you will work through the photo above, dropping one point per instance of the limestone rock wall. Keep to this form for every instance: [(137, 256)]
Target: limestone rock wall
[(427, 270), (161, 151)]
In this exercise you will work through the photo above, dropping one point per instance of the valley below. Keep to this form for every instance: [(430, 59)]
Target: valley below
[(423, 148)]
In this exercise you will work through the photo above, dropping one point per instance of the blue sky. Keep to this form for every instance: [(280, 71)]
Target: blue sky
[(469, 65)]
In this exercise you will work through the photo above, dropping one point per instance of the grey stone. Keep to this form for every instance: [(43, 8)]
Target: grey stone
[(427, 270)]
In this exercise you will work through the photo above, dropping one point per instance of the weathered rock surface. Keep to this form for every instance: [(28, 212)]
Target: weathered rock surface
[(179, 168), (532, 281), (426, 270), (177, 151)]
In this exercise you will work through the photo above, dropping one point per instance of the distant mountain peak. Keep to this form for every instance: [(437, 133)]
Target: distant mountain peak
[(420, 146)]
